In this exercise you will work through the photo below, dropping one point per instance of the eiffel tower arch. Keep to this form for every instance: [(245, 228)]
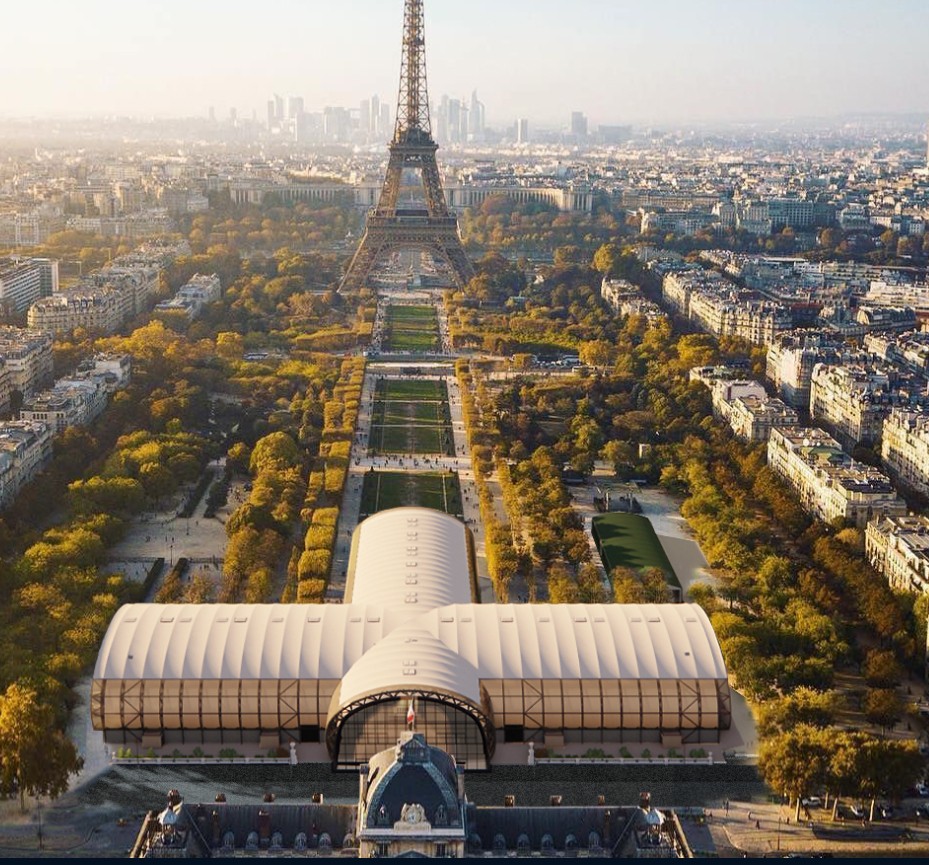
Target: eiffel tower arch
[(390, 226)]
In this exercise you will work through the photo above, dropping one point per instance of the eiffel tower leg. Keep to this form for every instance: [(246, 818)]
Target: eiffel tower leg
[(390, 191), (361, 265), (432, 188), (452, 253)]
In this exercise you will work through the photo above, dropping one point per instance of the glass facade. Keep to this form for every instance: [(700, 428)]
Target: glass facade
[(378, 725), (695, 707), (210, 704)]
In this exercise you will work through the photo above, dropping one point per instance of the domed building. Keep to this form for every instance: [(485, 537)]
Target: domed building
[(411, 801)]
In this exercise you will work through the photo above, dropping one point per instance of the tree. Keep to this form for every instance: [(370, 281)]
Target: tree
[(881, 669), (619, 453), (275, 451), (797, 761), (883, 706), (567, 255), (655, 586), (35, 757), (596, 352), (605, 258), (802, 706)]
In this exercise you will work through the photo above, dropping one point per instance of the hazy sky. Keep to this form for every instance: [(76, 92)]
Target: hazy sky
[(618, 61)]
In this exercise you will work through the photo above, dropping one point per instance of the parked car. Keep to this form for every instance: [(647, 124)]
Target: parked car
[(812, 802)]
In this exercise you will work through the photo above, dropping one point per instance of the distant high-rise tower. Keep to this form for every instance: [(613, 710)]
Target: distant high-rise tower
[(392, 226), (294, 107), (364, 117), (374, 116), (578, 124), (522, 131), (476, 118), (212, 114), (385, 120)]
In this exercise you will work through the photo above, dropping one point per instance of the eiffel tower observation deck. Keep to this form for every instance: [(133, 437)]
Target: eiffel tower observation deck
[(427, 227)]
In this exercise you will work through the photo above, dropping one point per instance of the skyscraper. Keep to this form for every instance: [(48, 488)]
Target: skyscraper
[(374, 119), (294, 107), (578, 124), (364, 117), (476, 118), (522, 130)]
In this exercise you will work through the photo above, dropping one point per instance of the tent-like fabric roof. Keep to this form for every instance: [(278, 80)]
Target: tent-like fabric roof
[(499, 641), (411, 557), (382, 640)]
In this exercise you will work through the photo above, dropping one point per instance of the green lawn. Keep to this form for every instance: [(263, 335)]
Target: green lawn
[(404, 412), (411, 417), (629, 540), (414, 388), (437, 490), (409, 439), (411, 328)]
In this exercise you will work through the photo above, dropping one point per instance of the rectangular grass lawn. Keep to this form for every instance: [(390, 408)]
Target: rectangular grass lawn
[(412, 328), (411, 416), (410, 389), (437, 490), (629, 540)]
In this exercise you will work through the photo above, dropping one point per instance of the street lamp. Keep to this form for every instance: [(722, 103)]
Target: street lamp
[(38, 811)]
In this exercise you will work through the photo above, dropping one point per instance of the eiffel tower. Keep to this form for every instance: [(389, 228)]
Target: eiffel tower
[(390, 227)]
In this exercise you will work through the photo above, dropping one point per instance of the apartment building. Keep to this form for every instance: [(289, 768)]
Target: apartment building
[(96, 309), (27, 355), (829, 484), (853, 400), (905, 448), (71, 402), (743, 403), (25, 449), (24, 280), (898, 548), (790, 361), (718, 307), (6, 387), (105, 300), (625, 299), (193, 296), (753, 417)]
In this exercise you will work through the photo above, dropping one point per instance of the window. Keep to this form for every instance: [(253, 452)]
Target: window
[(441, 850), (383, 848)]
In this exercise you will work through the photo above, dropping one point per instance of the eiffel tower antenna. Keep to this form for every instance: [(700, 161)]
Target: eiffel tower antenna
[(390, 227)]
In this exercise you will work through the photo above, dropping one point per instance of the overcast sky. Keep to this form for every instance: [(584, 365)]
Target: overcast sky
[(618, 61)]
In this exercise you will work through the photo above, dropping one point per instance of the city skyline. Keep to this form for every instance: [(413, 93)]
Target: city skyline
[(615, 61)]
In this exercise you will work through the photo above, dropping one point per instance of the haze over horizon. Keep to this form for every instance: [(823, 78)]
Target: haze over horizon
[(617, 61)]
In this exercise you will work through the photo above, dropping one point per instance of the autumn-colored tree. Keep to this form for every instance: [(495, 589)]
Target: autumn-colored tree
[(35, 758), (796, 762)]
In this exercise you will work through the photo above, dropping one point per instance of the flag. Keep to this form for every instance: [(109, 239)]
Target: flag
[(410, 714)]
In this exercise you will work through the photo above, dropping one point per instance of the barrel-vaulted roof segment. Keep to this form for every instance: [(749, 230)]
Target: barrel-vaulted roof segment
[(411, 557), (499, 641)]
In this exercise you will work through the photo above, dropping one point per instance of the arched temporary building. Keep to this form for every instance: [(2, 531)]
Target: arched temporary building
[(409, 636)]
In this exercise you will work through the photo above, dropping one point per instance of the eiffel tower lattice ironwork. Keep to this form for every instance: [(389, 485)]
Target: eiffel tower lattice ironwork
[(389, 226)]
